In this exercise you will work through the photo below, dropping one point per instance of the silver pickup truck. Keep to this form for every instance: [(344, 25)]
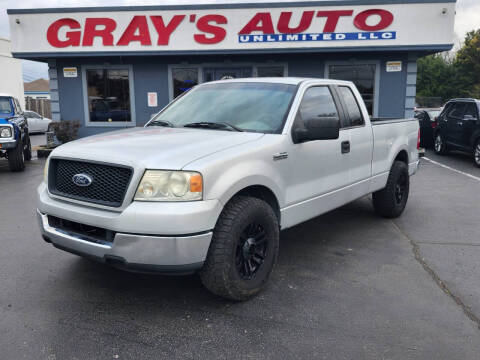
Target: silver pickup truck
[(210, 181)]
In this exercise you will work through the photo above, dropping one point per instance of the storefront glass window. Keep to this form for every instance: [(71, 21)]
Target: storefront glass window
[(183, 80), (108, 95), (270, 71), (362, 75)]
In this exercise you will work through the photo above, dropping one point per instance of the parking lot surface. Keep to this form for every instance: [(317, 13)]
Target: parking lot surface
[(348, 285)]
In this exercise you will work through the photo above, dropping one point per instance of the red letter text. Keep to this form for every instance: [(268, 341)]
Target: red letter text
[(91, 31), (332, 18), (254, 25), (138, 23), (283, 25), (73, 37), (163, 31), (203, 24), (386, 19)]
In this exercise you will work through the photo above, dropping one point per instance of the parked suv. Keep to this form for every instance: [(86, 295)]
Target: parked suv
[(459, 128)]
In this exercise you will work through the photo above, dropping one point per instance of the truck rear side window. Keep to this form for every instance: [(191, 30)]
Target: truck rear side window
[(317, 101), (351, 106)]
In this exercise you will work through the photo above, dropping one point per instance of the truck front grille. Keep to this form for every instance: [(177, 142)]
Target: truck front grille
[(108, 187)]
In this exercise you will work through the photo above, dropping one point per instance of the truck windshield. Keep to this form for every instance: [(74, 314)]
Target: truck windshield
[(235, 106), (5, 105)]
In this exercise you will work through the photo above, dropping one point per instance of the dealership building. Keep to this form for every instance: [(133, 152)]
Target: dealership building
[(113, 67)]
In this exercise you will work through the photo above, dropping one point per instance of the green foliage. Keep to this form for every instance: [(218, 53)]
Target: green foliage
[(65, 131), (440, 76), (467, 64)]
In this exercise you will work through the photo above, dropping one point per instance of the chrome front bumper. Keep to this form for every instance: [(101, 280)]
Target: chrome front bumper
[(7, 143), (145, 253)]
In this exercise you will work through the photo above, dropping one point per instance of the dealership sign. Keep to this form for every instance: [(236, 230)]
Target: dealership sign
[(231, 28)]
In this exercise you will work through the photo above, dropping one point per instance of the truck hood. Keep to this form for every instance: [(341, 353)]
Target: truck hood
[(153, 147), (4, 121)]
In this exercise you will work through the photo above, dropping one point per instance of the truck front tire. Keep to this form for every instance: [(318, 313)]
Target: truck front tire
[(391, 201), (16, 157), (243, 250)]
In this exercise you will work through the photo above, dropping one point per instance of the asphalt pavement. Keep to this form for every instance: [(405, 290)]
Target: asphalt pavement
[(348, 285)]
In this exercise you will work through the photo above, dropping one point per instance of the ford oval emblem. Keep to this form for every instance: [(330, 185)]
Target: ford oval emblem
[(82, 180)]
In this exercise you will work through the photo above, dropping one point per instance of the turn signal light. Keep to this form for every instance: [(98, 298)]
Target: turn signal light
[(196, 184)]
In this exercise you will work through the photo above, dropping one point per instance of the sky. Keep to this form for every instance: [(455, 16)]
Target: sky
[(467, 19)]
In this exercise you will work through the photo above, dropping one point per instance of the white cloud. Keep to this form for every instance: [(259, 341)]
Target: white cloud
[(467, 18)]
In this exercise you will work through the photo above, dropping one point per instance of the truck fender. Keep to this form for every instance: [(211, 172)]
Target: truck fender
[(253, 172)]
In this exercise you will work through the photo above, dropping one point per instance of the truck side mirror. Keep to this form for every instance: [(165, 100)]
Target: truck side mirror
[(318, 128)]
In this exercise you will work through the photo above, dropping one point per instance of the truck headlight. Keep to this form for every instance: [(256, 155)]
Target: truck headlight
[(163, 185), (5, 132), (45, 171)]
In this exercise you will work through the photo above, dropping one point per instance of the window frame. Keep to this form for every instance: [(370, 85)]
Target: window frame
[(338, 106), (376, 80), (87, 122), (455, 104), (474, 107), (202, 66), (346, 114)]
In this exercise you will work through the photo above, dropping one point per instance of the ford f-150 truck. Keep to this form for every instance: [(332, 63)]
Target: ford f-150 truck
[(14, 137), (210, 181)]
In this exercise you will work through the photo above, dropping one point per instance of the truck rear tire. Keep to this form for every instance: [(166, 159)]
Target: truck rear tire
[(391, 201), (243, 250), (16, 157)]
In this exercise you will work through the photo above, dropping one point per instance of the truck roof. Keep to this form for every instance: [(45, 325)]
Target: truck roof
[(283, 80)]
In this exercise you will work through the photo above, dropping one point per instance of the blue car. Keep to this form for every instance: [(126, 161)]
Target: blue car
[(15, 143)]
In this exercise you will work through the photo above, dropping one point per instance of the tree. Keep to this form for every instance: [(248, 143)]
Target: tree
[(467, 64), (435, 77), (449, 77)]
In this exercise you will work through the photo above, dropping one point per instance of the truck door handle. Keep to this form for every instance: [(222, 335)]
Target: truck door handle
[(345, 147)]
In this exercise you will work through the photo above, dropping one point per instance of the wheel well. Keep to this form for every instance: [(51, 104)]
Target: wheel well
[(263, 193), (402, 156)]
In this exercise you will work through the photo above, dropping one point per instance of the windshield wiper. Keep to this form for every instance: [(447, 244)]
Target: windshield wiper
[(212, 125), (165, 123)]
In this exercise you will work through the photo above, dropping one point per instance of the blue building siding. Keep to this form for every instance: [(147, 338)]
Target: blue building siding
[(150, 74)]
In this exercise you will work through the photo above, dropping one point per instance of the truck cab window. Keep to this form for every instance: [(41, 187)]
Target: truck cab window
[(317, 101), (362, 75), (351, 106)]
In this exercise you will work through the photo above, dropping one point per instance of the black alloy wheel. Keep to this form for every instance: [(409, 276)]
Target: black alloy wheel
[(401, 188), (251, 250)]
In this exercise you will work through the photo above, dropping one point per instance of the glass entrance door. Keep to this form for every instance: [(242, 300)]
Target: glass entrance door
[(223, 73)]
